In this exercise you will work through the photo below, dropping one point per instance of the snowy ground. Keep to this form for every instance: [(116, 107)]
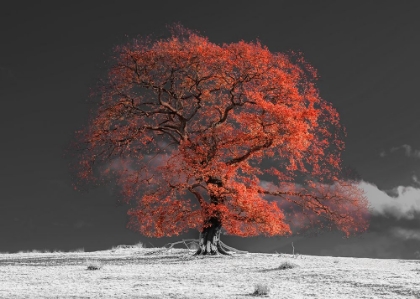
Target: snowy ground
[(158, 273)]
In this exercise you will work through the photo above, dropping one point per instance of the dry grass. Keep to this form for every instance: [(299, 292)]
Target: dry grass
[(160, 273)]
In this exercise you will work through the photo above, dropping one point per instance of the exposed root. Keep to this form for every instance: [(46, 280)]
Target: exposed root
[(222, 248), (226, 247), (187, 243)]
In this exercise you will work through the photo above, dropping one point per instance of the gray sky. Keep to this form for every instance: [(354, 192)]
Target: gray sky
[(366, 53)]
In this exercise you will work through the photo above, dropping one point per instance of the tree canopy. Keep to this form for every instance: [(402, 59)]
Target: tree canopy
[(193, 131)]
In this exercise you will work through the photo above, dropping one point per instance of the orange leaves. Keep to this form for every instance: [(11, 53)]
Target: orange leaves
[(243, 212), (339, 203), (158, 217), (178, 112)]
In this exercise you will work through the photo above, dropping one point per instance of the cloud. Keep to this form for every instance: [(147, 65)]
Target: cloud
[(409, 151), (401, 202), (415, 179), (405, 233)]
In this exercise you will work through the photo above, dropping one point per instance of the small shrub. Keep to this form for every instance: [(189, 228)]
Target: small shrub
[(93, 265), (287, 265), (261, 290)]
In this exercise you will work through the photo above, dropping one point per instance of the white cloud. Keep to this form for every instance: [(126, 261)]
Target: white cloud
[(406, 201), (415, 179), (409, 151)]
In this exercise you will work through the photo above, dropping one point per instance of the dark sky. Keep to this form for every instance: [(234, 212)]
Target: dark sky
[(366, 53)]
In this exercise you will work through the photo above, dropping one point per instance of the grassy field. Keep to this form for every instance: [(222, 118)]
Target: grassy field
[(135, 272)]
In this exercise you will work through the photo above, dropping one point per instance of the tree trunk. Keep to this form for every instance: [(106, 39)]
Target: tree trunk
[(210, 234), (210, 241)]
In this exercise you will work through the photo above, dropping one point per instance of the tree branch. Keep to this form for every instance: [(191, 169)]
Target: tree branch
[(317, 199), (252, 150)]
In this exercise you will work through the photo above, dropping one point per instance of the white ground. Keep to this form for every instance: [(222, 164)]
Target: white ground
[(158, 273)]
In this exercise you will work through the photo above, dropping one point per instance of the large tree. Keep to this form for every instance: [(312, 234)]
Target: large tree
[(204, 136)]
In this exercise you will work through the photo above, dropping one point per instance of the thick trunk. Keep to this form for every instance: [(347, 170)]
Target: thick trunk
[(210, 235), (210, 242)]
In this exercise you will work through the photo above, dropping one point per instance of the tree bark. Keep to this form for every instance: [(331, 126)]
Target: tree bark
[(210, 241), (210, 234)]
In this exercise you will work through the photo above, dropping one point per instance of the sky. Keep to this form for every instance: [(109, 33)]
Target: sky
[(51, 54)]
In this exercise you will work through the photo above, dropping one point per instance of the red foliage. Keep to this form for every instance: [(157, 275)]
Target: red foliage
[(193, 130)]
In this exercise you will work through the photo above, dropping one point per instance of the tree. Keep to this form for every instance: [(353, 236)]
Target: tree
[(205, 136)]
